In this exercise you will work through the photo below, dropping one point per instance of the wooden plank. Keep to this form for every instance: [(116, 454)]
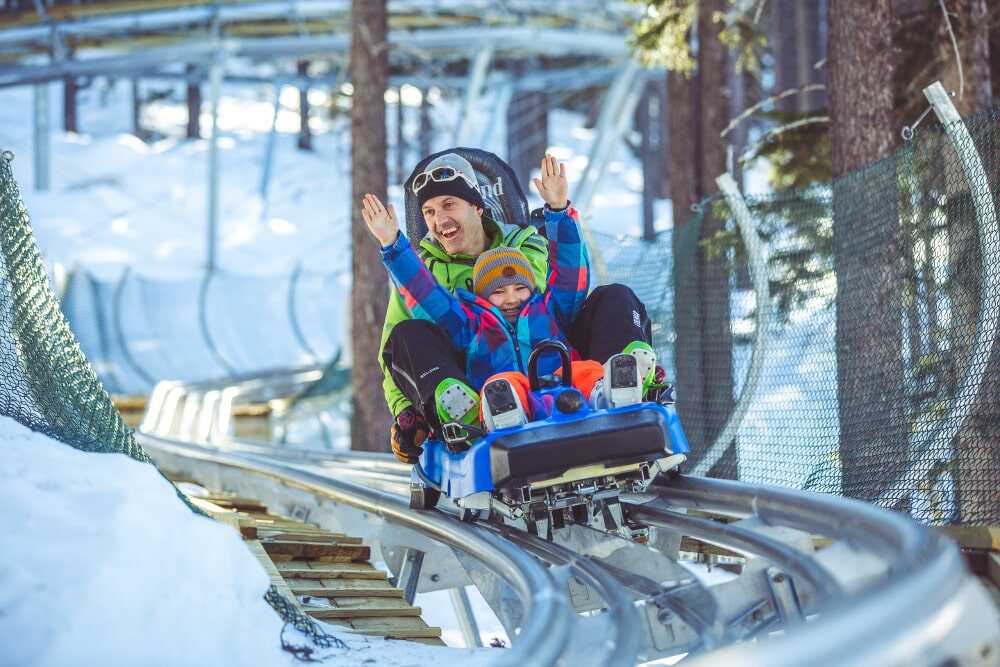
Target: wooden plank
[(336, 588), (315, 538), (359, 612), (272, 572), (237, 503), (986, 538), (314, 570), (396, 627), (335, 553), (693, 545)]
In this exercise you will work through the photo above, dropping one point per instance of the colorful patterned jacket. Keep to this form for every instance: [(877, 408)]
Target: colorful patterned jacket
[(453, 272), (492, 344)]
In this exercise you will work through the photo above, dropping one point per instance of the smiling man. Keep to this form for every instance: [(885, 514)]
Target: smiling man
[(416, 355), (425, 375)]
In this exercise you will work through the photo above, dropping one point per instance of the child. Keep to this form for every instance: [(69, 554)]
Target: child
[(504, 317)]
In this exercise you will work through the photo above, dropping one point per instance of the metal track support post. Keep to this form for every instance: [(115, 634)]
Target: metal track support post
[(265, 175), (409, 573), (215, 89), (477, 75), (616, 112), (466, 618), (42, 137)]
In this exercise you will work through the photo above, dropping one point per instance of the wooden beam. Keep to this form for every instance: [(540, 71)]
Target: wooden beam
[(313, 570), (974, 537)]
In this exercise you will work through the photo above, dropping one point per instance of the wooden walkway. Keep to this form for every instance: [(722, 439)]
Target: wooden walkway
[(328, 575)]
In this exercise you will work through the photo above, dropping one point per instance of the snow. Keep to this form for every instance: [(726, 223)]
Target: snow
[(104, 565)]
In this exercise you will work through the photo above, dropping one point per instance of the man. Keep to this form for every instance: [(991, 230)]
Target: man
[(417, 356)]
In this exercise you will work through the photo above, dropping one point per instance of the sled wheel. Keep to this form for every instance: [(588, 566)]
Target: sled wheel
[(422, 498)]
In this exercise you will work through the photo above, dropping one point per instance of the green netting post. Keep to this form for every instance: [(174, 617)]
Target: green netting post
[(936, 429), (762, 292)]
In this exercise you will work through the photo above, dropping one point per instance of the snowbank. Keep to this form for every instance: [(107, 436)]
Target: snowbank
[(103, 565)]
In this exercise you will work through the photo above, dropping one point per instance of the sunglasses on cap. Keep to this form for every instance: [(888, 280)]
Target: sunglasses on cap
[(439, 175)]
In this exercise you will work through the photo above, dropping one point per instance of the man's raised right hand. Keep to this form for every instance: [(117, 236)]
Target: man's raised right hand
[(381, 221)]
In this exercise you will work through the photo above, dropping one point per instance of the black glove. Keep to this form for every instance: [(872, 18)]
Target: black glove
[(408, 434)]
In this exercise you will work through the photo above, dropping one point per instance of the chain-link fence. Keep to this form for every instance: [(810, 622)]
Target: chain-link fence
[(46, 382), (879, 377)]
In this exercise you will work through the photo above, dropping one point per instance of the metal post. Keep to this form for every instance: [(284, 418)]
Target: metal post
[(136, 108), (43, 139), (466, 617), (426, 127), (477, 75), (616, 112), (409, 573), (400, 139), (215, 86), (499, 113), (933, 428), (265, 176)]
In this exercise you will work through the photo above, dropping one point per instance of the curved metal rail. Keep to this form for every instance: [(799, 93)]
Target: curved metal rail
[(904, 599), (548, 618), (914, 616), (624, 648), (794, 562)]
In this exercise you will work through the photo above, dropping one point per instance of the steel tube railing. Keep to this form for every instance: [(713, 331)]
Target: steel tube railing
[(548, 617)]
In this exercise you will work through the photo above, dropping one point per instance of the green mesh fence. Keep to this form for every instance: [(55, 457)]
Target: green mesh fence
[(881, 362), (45, 380)]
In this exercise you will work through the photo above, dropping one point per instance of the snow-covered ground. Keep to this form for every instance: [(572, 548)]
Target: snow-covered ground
[(104, 565)]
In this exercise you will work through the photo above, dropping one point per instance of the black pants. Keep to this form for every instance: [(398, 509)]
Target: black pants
[(611, 318), (418, 354)]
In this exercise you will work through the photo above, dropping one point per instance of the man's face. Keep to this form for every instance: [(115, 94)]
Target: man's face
[(455, 223), (509, 300)]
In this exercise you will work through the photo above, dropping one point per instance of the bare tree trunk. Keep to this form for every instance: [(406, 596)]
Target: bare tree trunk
[(717, 350), (370, 292), (978, 443), (193, 104), (70, 89), (305, 132), (685, 190), (867, 248)]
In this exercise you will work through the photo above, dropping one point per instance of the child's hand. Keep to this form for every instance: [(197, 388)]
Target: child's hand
[(552, 186), (380, 220)]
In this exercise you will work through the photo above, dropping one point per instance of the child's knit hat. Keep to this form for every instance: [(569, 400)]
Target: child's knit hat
[(501, 267)]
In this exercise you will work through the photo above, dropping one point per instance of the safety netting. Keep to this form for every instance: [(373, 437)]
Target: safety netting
[(873, 370), (46, 382)]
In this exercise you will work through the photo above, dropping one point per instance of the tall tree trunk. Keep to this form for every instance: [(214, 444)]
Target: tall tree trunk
[(193, 103), (370, 291), (867, 248), (305, 132), (717, 350), (685, 190), (70, 89), (978, 443)]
